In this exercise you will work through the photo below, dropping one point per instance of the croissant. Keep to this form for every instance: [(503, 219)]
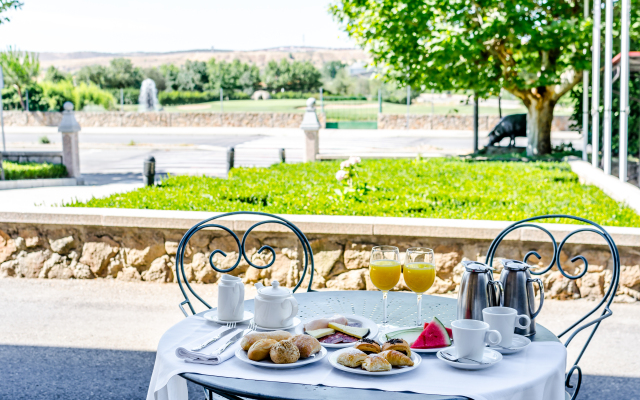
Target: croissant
[(397, 359), (400, 345), (376, 363), (351, 358), (368, 346), (260, 349)]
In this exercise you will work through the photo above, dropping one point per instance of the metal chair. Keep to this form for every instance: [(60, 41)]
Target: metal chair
[(180, 272), (603, 305)]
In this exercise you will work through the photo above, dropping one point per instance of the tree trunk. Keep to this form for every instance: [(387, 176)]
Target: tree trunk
[(20, 98), (539, 119)]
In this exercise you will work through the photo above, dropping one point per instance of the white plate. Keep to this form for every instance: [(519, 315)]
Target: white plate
[(242, 356), (333, 360), (294, 322), (366, 323), (213, 316), (382, 337), (490, 356), (519, 342)]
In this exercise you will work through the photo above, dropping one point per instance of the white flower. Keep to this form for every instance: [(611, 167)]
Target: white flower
[(345, 164), (340, 175), (354, 160)]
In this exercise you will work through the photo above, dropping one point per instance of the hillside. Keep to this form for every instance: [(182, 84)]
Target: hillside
[(72, 62)]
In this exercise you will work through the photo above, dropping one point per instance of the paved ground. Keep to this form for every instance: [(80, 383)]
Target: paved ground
[(80, 339), (111, 158)]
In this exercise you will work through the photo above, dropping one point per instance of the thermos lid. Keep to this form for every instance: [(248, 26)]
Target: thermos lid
[(515, 265), (475, 266)]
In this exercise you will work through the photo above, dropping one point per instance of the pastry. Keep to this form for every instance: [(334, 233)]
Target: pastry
[(376, 363), (368, 346), (400, 345), (397, 359), (322, 323), (284, 352), (307, 345), (350, 330), (351, 358), (250, 338), (260, 349)]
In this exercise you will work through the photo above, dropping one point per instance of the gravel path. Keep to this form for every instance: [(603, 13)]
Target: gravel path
[(80, 339)]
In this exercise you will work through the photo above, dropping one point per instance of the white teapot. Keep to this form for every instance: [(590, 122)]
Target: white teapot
[(274, 306)]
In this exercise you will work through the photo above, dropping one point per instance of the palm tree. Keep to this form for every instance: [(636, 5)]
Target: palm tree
[(20, 69)]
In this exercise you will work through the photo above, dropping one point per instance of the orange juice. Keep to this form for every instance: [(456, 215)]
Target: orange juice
[(385, 274), (419, 276)]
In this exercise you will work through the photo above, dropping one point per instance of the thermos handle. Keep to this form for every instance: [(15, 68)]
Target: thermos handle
[(500, 289), (541, 286)]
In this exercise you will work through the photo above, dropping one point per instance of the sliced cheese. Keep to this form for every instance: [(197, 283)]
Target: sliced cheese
[(318, 333), (350, 330)]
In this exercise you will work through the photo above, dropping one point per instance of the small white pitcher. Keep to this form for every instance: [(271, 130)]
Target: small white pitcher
[(230, 298)]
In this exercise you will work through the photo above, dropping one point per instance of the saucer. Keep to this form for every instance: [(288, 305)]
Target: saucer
[(490, 357), (295, 322), (519, 342), (213, 316)]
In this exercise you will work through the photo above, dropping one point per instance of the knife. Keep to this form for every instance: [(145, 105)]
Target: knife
[(212, 340), (231, 341)]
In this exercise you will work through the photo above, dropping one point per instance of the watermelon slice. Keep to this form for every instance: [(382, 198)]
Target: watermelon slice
[(434, 336), (449, 331)]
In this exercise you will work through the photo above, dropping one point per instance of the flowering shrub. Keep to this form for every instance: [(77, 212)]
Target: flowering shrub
[(348, 177)]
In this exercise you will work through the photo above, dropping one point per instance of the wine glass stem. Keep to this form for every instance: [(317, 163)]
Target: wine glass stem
[(419, 308), (384, 301)]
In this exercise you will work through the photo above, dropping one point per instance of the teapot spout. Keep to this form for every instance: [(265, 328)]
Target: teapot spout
[(258, 285)]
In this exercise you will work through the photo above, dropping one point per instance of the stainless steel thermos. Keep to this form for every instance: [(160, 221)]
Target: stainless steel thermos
[(478, 290), (517, 284)]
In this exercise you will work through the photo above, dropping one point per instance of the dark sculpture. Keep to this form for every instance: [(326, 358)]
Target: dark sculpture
[(511, 126)]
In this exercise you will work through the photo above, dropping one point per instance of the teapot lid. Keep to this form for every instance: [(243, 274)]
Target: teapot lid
[(475, 266), (274, 290), (515, 265)]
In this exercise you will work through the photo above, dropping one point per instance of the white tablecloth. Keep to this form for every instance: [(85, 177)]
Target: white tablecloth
[(536, 373)]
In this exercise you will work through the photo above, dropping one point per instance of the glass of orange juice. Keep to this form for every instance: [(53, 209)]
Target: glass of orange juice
[(385, 269), (419, 273)]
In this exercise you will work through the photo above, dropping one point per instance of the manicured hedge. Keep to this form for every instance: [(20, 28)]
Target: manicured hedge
[(13, 170)]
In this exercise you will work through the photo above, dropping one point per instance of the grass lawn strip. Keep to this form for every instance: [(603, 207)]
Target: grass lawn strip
[(15, 171), (430, 188)]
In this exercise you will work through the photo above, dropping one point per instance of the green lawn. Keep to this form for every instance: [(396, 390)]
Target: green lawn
[(298, 106), (431, 188), (13, 170)]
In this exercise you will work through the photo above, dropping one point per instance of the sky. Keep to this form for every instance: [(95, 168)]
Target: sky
[(117, 26)]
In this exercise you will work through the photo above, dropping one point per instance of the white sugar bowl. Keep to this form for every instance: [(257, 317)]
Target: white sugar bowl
[(274, 306)]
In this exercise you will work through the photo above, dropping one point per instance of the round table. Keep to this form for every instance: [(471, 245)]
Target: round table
[(402, 311)]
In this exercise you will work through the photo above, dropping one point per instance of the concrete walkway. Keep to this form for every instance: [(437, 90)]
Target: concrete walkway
[(72, 339)]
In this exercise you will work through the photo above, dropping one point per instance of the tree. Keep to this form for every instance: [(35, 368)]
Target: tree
[(192, 76), (6, 5), (296, 76), (20, 69), (92, 74), (534, 49), (121, 74), (235, 75), (54, 75)]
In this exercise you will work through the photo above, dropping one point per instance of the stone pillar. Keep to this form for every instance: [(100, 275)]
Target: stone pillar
[(311, 127), (70, 128)]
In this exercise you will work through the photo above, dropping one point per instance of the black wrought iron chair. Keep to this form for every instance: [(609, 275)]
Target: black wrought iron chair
[(603, 305), (206, 224)]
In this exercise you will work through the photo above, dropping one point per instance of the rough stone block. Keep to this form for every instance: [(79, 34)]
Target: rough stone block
[(98, 254), (351, 280), (63, 245), (357, 255)]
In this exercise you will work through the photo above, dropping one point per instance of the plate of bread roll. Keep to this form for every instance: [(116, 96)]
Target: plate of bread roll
[(368, 357), (338, 331), (279, 350)]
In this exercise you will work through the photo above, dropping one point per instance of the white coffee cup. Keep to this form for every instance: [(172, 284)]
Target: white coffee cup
[(470, 337), (505, 320), (230, 298)]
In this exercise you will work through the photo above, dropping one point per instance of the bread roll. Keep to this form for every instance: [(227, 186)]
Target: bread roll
[(260, 349), (251, 338), (376, 363), (351, 358), (284, 352), (397, 359), (307, 345)]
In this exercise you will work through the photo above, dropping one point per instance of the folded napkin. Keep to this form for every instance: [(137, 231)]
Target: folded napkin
[(211, 357)]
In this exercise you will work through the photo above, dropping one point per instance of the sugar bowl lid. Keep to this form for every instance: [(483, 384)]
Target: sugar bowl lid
[(274, 290), (515, 265), (475, 266)]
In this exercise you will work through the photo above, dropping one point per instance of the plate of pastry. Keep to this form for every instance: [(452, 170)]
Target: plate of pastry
[(367, 357), (430, 338), (279, 350), (338, 331)]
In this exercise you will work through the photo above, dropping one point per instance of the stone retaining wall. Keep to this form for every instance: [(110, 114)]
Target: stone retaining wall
[(269, 120), (142, 248)]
